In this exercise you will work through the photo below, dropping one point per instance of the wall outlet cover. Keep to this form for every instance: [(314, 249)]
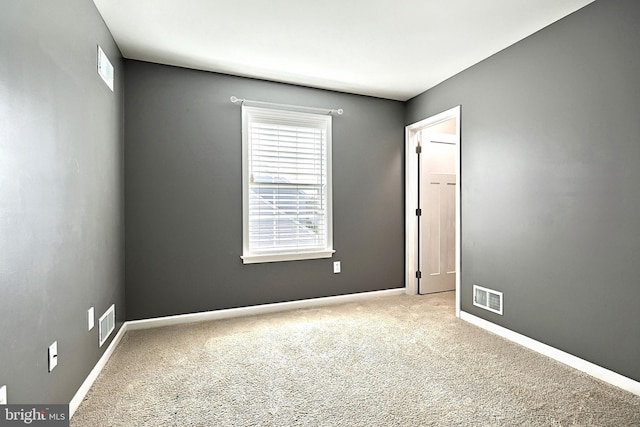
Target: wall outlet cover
[(336, 267), (105, 68), (91, 318), (53, 355), (3, 395)]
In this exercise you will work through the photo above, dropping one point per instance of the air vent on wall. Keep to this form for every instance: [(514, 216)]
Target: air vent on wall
[(487, 299), (107, 323)]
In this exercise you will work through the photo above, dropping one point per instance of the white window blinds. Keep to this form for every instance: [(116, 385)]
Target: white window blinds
[(287, 185)]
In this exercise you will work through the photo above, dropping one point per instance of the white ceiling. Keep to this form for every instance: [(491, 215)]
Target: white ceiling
[(392, 49)]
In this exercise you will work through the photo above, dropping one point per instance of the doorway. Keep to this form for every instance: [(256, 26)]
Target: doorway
[(433, 147)]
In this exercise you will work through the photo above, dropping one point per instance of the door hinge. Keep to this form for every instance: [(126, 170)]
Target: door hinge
[(418, 274), (418, 149), (418, 212)]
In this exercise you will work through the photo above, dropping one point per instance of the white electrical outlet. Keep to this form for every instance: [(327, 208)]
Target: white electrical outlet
[(336, 266), (3, 395), (91, 318), (53, 355)]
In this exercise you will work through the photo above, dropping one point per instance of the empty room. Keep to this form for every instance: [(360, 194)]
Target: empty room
[(320, 214)]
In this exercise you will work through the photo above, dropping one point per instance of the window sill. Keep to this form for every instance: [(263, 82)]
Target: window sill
[(255, 259)]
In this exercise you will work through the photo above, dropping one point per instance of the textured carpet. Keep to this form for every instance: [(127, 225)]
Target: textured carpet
[(391, 361)]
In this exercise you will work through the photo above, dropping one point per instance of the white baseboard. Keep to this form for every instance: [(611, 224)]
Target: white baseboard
[(258, 309), (214, 315), (93, 375), (592, 369)]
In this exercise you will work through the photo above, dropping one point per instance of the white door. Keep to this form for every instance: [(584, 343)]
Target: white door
[(437, 203)]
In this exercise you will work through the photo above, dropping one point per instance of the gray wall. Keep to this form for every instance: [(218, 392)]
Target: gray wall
[(184, 195), (61, 194), (551, 182)]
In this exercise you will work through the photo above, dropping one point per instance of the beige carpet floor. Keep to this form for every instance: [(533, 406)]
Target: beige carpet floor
[(390, 361)]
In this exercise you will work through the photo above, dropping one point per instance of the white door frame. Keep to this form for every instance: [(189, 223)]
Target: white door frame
[(411, 196)]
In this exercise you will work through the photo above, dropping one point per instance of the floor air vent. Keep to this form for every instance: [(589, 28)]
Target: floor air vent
[(487, 299), (107, 323)]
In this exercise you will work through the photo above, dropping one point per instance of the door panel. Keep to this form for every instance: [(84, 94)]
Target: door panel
[(449, 215), (432, 228), (437, 222)]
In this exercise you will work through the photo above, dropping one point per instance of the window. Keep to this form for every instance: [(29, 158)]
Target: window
[(286, 185)]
